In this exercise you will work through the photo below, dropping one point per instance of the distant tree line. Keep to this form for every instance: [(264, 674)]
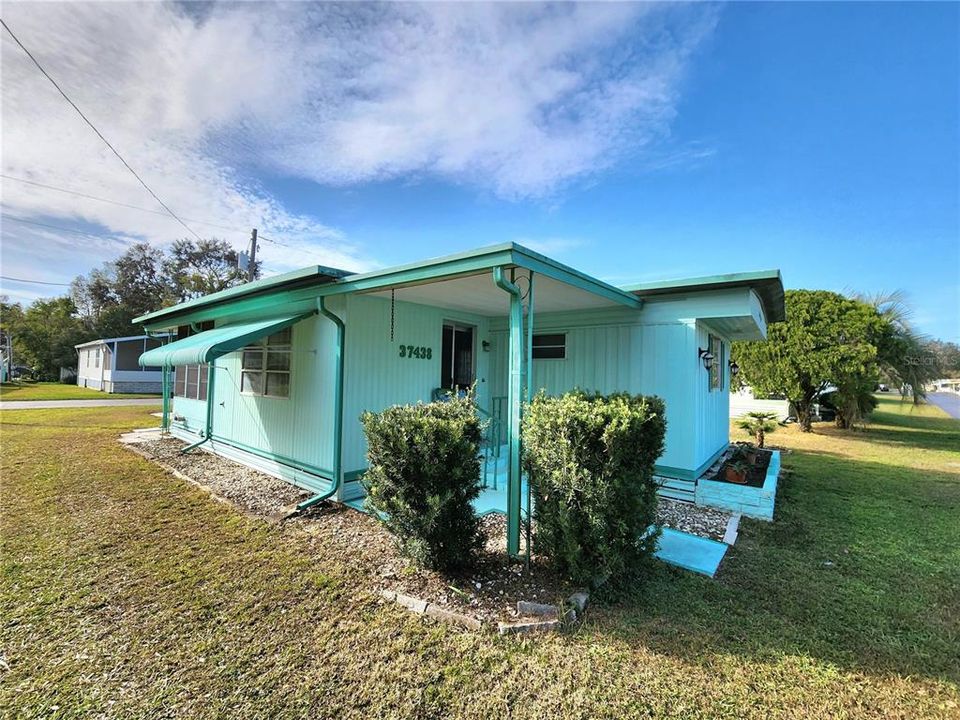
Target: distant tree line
[(844, 346), (104, 302)]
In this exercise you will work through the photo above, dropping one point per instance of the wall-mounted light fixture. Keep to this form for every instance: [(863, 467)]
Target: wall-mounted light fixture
[(734, 369), (485, 346), (707, 357)]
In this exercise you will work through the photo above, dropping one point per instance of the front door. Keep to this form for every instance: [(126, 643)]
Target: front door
[(456, 357)]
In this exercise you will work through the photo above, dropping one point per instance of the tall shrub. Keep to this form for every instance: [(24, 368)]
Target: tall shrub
[(424, 473), (590, 461)]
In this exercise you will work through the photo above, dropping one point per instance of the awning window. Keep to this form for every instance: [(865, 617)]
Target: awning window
[(211, 344)]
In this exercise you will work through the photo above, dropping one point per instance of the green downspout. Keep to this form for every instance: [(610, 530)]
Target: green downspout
[(208, 433), (513, 423), (529, 396), (337, 410)]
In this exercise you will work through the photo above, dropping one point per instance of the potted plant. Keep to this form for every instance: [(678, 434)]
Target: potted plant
[(736, 471), (748, 451)]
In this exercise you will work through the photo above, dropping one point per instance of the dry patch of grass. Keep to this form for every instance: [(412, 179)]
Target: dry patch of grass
[(127, 593)]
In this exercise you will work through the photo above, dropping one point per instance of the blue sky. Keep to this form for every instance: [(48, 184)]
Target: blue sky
[(631, 142)]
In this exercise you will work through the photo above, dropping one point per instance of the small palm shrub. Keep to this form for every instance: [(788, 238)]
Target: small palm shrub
[(424, 473), (590, 462), (758, 424)]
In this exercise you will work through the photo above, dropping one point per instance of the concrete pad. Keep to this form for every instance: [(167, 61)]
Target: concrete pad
[(690, 552)]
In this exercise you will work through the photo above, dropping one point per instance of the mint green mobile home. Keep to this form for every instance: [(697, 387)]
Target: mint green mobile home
[(275, 373)]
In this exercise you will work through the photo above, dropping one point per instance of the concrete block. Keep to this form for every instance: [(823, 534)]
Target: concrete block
[(542, 609)]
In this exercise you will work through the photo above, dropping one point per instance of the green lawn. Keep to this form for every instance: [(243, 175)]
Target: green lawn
[(128, 593), (59, 391)]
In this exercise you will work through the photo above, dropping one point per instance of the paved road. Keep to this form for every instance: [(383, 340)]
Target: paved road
[(42, 404), (948, 402)]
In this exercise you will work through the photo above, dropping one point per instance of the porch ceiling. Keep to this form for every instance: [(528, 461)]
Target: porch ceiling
[(478, 294)]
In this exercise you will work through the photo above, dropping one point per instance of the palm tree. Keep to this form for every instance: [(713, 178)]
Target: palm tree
[(759, 424), (902, 354)]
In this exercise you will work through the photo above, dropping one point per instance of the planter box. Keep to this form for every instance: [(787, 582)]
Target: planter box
[(755, 502)]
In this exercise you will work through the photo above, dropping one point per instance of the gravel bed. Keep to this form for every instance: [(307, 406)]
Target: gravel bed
[(694, 519), (251, 490)]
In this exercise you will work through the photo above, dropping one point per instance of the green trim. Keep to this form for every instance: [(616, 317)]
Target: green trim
[(305, 285), (206, 346), (354, 475), (768, 284), (308, 274), (526, 258), (281, 459), (683, 473)]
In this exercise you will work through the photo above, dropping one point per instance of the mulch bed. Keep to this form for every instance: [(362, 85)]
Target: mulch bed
[(757, 474), (488, 591)]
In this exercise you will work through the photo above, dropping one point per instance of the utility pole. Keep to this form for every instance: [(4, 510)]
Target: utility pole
[(252, 267)]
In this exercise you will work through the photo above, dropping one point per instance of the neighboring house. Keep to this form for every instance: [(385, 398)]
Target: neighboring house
[(276, 373), (112, 364), (743, 401)]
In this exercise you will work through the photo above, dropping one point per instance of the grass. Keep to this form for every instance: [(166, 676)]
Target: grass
[(128, 593), (59, 391)]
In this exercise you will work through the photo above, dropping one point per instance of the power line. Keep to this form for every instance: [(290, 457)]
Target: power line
[(61, 229), (99, 134), (112, 202), (34, 282)]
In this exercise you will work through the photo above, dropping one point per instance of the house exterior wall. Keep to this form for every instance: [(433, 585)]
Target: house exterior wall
[(295, 430), (375, 374)]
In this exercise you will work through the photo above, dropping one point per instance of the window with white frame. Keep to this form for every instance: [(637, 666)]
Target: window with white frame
[(265, 366), (190, 381), (96, 357)]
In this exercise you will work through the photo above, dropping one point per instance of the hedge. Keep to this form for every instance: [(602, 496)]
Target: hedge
[(424, 473), (590, 461)]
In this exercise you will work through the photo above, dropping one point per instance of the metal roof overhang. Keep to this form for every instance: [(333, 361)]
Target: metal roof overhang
[(767, 284), (297, 296), (210, 344)]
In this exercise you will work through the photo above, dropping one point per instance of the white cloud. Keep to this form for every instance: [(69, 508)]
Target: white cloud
[(518, 99)]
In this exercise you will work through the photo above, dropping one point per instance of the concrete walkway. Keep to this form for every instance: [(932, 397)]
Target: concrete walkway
[(948, 402), (47, 404)]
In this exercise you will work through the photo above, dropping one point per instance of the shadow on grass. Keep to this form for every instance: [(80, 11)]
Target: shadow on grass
[(859, 569)]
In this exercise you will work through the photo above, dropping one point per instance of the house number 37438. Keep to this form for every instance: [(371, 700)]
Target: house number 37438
[(416, 351)]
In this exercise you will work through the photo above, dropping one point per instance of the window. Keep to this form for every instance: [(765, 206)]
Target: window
[(265, 366), (190, 381), (719, 362), (96, 357), (550, 347), (456, 357)]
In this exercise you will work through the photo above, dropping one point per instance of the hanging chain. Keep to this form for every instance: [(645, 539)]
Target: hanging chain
[(392, 303)]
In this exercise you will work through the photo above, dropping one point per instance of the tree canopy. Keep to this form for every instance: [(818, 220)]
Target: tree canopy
[(105, 301), (827, 339)]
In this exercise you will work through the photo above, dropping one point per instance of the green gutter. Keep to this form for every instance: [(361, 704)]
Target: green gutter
[(529, 399), (337, 410), (513, 424), (208, 434)]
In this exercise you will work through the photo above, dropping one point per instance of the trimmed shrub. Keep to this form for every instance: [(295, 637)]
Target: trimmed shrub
[(590, 461), (424, 473)]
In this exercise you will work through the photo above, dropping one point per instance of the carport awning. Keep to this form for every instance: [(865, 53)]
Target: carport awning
[(211, 344)]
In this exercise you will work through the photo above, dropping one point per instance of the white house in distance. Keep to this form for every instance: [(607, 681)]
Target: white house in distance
[(110, 364)]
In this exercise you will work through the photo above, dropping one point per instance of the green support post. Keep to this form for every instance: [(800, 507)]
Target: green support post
[(165, 389), (514, 400)]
